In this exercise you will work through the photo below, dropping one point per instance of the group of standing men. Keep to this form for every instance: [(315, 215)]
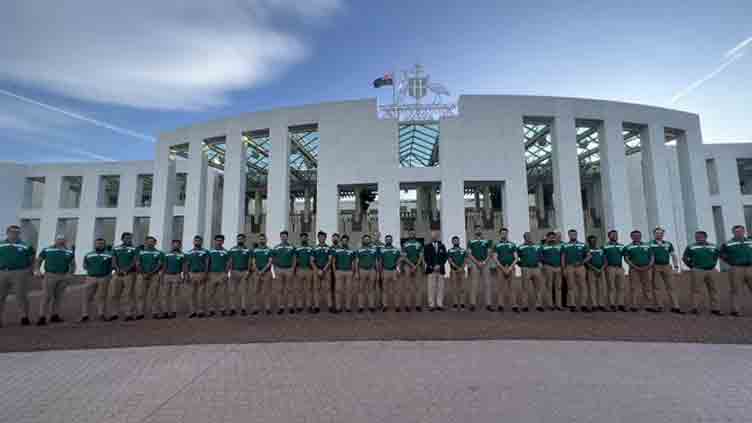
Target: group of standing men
[(131, 282)]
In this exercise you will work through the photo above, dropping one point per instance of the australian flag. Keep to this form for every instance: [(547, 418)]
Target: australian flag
[(383, 81)]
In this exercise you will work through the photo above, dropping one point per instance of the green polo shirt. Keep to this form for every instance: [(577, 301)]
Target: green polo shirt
[(261, 257), (597, 258), (575, 253), (174, 261), (150, 260), (701, 256), (240, 257), (479, 248), (413, 250), (367, 258), (125, 256), (390, 257), (638, 253), (57, 260), (321, 255), (16, 255), (197, 259), (614, 254), (661, 252), (551, 254), (283, 256), (343, 258), (505, 251), (458, 256), (529, 254), (737, 252), (303, 255), (98, 263), (218, 260)]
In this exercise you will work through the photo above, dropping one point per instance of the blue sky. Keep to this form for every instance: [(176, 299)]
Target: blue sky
[(96, 79)]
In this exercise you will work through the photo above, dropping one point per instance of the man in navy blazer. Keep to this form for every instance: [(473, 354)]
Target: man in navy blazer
[(435, 257)]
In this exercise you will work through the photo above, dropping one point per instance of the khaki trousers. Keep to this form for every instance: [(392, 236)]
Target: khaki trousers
[(458, 286), (343, 287), (508, 291), (596, 289), (20, 280), (198, 282), (413, 287), (552, 291), (147, 293), (479, 277), (216, 287), (95, 289), (665, 273), (532, 286), (123, 293), (53, 290), (283, 289), (262, 290), (391, 288), (169, 291), (577, 292), (639, 280), (435, 288), (705, 277), (321, 289), (369, 288), (236, 294), (616, 286), (739, 276), (299, 286)]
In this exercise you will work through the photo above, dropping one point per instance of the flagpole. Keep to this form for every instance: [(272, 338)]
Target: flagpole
[(394, 94)]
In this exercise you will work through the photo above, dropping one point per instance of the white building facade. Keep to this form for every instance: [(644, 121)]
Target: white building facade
[(527, 163)]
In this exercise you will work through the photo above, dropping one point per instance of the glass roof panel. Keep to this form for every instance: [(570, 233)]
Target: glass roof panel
[(419, 144)]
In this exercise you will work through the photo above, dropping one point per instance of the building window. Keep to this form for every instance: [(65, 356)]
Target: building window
[(748, 218), (419, 144), (180, 188), (712, 170), (33, 193), (744, 167), (67, 227), (144, 186), (109, 190), (140, 230), (30, 232), (104, 227), (70, 192)]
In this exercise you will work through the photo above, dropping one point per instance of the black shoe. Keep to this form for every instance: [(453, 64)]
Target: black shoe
[(516, 309), (201, 315), (130, 318), (165, 315), (419, 309), (56, 319), (292, 311), (25, 321), (622, 309), (432, 309), (155, 316), (658, 310), (140, 317), (360, 309), (243, 312), (462, 306), (42, 321), (300, 309), (472, 308), (584, 309), (84, 319), (677, 310), (113, 318), (173, 315), (211, 314), (316, 310), (397, 309), (440, 308), (102, 318), (372, 309), (190, 316), (281, 311), (572, 309), (717, 313), (268, 312), (525, 309), (407, 309), (500, 309), (489, 308), (455, 306), (222, 313), (541, 309), (254, 312), (348, 310), (603, 308), (616, 308), (232, 312), (634, 309), (735, 313), (384, 309), (332, 309), (695, 311)]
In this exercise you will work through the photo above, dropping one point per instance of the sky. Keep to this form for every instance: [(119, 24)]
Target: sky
[(100, 79)]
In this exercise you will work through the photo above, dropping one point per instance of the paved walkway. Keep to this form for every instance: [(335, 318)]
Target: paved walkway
[(470, 381)]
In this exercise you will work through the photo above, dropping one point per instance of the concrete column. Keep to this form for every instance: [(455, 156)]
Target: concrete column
[(566, 174), (616, 205), (86, 220), (278, 191), (51, 204), (327, 207), (258, 205), (656, 180), (210, 206), (389, 209), (698, 213), (730, 193), (195, 211), (515, 200), (233, 201), (163, 195), (126, 203), (486, 201), (540, 199), (477, 199), (453, 210), (307, 205)]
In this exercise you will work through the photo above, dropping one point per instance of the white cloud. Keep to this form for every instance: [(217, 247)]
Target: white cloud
[(168, 54)]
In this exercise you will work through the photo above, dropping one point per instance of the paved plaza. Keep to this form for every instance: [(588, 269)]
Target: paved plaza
[(466, 381)]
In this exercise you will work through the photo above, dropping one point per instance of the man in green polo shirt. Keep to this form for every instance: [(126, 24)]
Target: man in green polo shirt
[(197, 264), (574, 254), (505, 258), (639, 257), (737, 253), (616, 290), (219, 266), (16, 270), (595, 263), (390, 259), (59, 265), (98, 265), (304, 275), (478, 268), (663, 257), (321, 263), (532, 283), (702, 258), (240, 275), (367, 286), (285, 289), (412, 288), (149, 262), (551, 258), (123, 290), (457, 257), (262, 269), (344, 273), (172, 279)]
